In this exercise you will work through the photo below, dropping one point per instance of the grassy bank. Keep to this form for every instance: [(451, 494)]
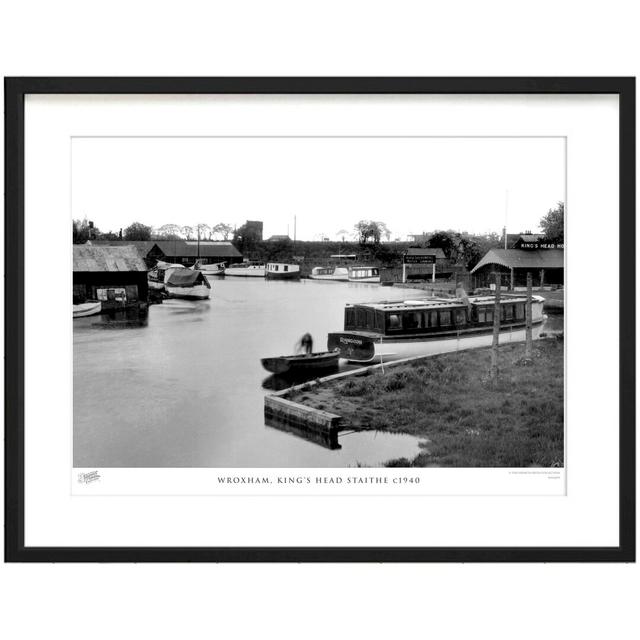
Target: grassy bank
[(465, 420)]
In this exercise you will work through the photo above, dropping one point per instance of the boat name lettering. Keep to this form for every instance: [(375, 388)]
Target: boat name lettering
[(350, 341)]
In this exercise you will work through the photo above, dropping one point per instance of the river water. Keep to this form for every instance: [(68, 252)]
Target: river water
[(187, 389)]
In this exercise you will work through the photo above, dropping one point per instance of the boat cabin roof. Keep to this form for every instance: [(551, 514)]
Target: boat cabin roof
[(437, 303)]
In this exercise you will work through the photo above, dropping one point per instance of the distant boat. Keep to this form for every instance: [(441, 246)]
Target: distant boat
[(338, 274), (86, 309), (282, 271), (247, 270), (364, 274), (216, 269), (185, 283), (307, 362)]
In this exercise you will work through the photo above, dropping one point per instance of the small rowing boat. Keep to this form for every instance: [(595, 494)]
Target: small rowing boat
[(86, 309), (307, 362)]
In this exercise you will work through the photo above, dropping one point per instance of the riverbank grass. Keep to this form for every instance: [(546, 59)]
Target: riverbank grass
[(464, 418)]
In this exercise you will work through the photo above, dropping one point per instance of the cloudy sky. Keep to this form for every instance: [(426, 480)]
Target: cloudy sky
[(411, 184)]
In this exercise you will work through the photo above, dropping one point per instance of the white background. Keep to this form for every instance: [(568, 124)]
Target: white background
[(483, 511), (331, 38)]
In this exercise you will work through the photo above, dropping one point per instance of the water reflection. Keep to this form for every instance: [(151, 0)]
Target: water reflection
[(327, 440)]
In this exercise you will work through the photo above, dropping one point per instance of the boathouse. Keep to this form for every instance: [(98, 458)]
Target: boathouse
[(149, 250), (545, 265), (117, 276), (210, 251), (178, 251)]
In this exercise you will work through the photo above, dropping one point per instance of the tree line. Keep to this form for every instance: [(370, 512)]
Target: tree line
[(460, 247), (84, 230)]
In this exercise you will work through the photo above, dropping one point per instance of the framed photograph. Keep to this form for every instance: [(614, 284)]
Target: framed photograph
[(320, 319)]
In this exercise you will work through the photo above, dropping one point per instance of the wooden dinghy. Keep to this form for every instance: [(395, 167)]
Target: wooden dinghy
[(305, 363), (86, 309)]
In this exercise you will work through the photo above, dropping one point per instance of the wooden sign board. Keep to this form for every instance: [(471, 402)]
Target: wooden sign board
[(418, 259)]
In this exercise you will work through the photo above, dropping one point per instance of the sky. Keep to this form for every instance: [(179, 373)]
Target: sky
[(411, 184)]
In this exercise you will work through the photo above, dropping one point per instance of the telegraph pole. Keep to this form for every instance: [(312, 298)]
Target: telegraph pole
[(496, 331), (528, 344)]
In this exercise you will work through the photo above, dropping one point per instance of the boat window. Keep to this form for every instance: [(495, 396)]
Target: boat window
[(375, 272), (370, 318), (361, 317), (520, 311), (460, 316), (275, 267), (412, 320), (394, 321), (507, 312), (350, 318), (445, 318), (432, 318), (286, 267)]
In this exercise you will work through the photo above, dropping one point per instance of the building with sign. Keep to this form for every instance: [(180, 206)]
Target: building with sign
[(545, 265), (422, 264)]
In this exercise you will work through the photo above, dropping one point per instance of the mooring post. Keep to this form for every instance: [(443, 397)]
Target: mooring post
[(496, 330), (528, 346)]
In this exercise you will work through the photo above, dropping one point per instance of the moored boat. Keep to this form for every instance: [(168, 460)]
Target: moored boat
[(87, 309), (248, 270), (159, 275), (306, 362), (364, 274), (282, 271), (337, 274), (394, 328), (185, 283), (216, 269)]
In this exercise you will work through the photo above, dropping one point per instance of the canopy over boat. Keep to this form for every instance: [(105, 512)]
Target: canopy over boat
[(187, 278)]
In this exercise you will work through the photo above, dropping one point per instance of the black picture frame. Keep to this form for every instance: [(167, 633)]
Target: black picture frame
[(15, 91)]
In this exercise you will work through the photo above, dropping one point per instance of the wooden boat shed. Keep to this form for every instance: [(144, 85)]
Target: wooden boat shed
[(545, 265), (117, 276), (178, 251)]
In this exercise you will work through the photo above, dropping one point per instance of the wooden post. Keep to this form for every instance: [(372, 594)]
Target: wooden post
[(433, 275), (513, 279), (404, 272), (496, 331), (541, 279), (528, 344)]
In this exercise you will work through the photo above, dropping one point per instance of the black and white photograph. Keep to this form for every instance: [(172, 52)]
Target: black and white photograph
[(318, 301), (320, 320)]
